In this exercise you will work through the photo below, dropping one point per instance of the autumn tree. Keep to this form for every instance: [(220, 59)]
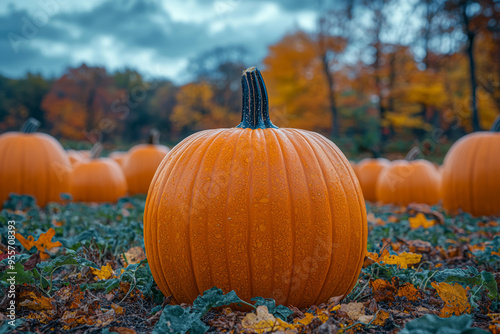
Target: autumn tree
[(373, 32), (332, 39), (473, 17), (20, 99), (196, 110), (297, 86), (79, 100)]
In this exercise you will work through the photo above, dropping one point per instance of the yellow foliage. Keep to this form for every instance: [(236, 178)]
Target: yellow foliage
[(262, 322), (402, 260), (420, 221), (43, 244), (454, 297), (106, 272)]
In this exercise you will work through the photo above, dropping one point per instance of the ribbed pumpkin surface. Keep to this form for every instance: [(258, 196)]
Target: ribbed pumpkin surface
[(404, 182), (139, 166), (368, 172), (471, 175), (97, 180), (265, 212)]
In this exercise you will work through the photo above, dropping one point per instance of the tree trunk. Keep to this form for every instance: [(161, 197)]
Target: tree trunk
[(331, 96), (472, 69), (378, 82)]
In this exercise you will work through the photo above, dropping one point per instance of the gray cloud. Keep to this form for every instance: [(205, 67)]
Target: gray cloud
[(139, 33)]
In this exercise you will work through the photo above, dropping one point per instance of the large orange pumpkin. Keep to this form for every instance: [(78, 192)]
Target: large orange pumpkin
[(404, 182), (260, 210), (34, 164), (368, 172), (97, 179), (140, 163), (471, 173)]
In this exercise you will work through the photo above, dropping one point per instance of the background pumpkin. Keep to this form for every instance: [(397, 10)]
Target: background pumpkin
[(33, 163), (118, 156), (368, 171), (141, 162), (265, 211), (97, 179), (404, 182), (471, 173), (75, 157)]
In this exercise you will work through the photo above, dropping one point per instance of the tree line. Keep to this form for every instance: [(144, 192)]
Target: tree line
[(373, 75)]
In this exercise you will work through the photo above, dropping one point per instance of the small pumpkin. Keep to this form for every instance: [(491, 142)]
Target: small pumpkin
[(118, 156), (140, 163), (97, 179), (408, 181), (471, 173), (33, 163), (368, 172), (264, 211)]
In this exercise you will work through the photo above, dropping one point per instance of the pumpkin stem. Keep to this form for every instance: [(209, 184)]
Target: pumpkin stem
[(96, 150), (255, 106), (30, 126), (496, 125), (154, 137), (413, 154)]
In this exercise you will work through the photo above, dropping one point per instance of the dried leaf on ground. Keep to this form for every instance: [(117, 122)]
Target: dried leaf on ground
[(421, 221), (133, 255), (353, 310), (106, 272), (382, 290), (44, 243), (262, 322), (454, 297)]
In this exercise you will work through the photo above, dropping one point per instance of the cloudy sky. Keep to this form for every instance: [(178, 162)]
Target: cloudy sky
[(153, 36)]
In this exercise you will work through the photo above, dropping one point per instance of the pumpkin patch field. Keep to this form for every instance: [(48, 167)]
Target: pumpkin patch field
[(250, 229), (82, 268)]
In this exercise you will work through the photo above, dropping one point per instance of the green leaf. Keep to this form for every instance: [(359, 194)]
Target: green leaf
[(430, 324), (10, 325), (17, 275), (279, 311), (106, 285), (177, 320), (470, 276), (70, 258), (214, 298)]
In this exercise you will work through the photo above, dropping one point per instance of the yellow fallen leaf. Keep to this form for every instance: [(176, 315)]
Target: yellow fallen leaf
[(403, 260), (309, 317), (43, 244), (262, 322), (34, 302), (381, 318), (106, 272), (118, 309), (421, 221), (335, 308), (454, 297)]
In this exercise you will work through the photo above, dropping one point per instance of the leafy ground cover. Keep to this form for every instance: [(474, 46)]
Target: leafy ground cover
[(82, 268)]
